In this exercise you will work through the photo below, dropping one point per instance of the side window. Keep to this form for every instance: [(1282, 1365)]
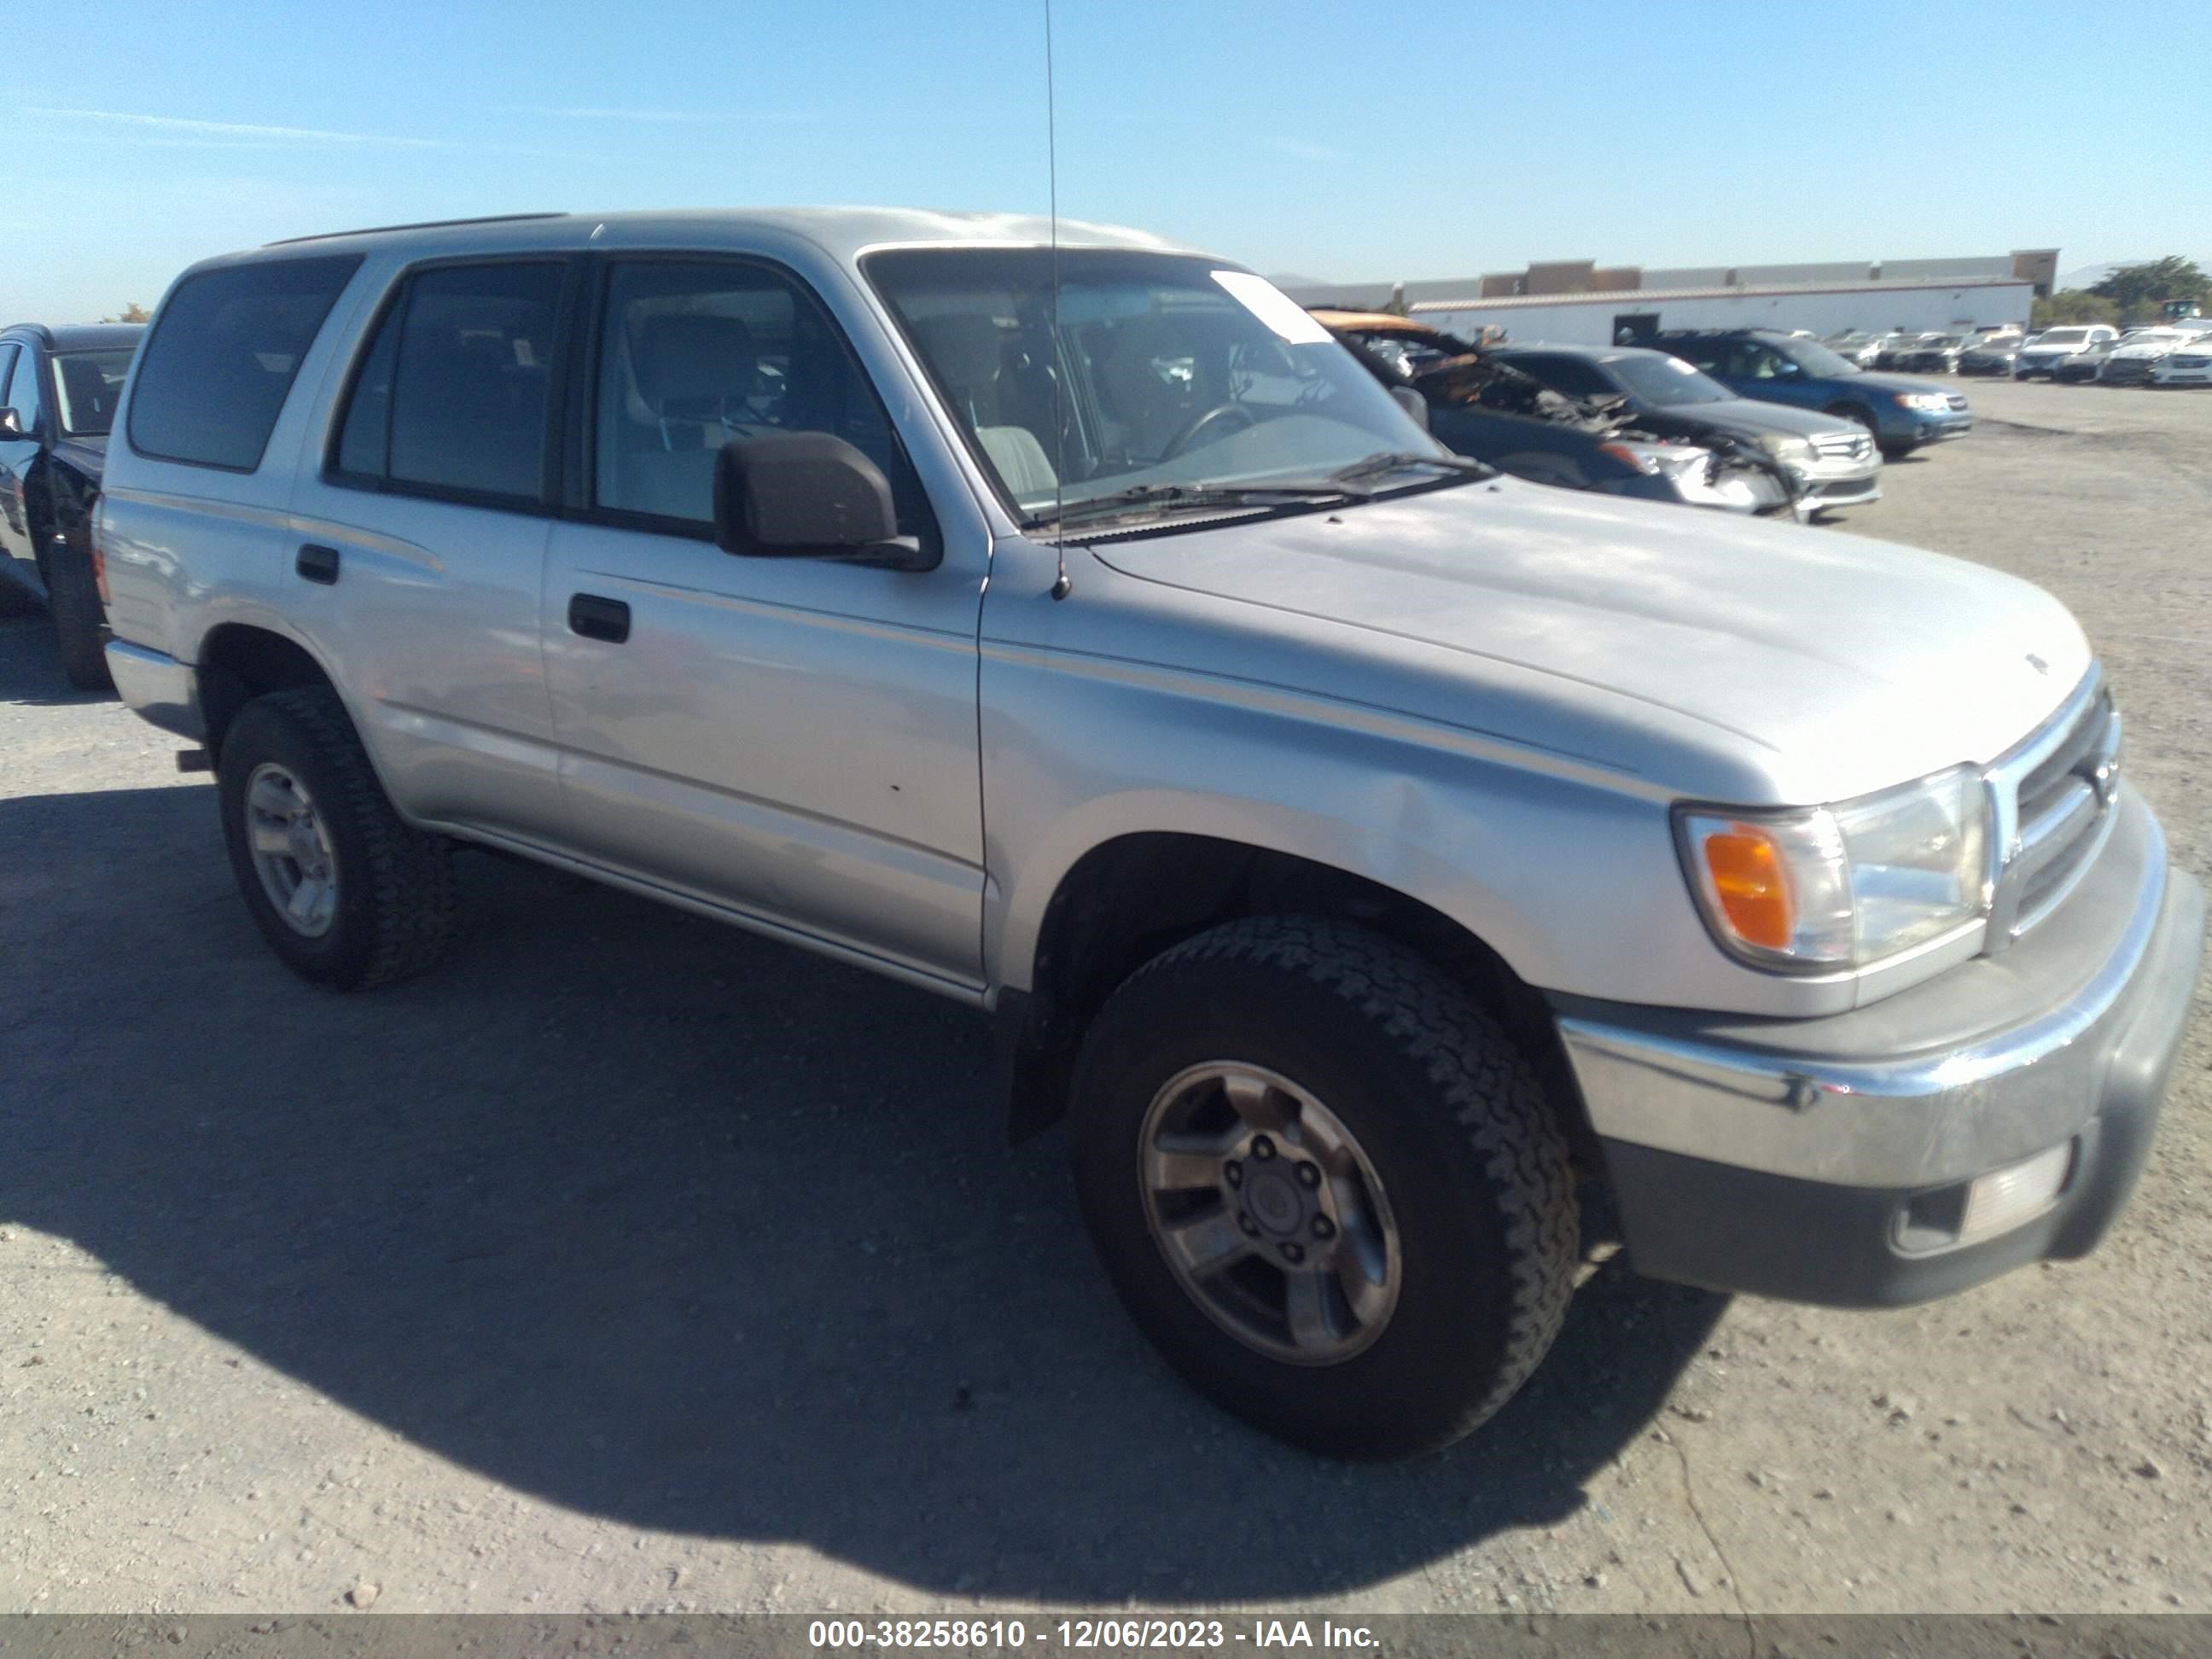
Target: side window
[(23, 395), (454, 390), (7, 361), (1760, 360), (1570, 375), (1713, 356), (692, 356), (213, 378)]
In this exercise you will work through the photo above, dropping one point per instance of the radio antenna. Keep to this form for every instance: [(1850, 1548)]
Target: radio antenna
[(1061, 586)]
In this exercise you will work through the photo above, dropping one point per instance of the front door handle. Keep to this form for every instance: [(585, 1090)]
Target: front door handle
[(597, 618), (317, 564)]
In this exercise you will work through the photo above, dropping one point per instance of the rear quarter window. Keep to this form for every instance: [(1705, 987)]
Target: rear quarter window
[(214, 373)]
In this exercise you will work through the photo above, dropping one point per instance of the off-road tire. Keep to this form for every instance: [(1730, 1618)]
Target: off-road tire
[(73, 600), (395, 905), (1447, 1109)]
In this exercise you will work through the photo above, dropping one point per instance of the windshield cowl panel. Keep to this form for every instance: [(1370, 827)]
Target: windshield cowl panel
[(1098, 373)]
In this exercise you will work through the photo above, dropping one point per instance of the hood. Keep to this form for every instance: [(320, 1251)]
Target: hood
[(1902, 385), (2040, 349), (1750, 418), (1779, 662), (2150, 348)]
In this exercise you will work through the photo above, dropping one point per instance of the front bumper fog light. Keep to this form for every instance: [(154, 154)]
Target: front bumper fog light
[(1987, 1206), (2001, 1200)]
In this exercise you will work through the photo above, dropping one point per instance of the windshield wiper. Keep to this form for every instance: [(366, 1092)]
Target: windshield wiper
[(1138, 497), (1375, 466)]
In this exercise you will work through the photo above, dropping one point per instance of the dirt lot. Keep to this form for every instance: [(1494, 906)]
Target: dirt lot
[(631, 1262)]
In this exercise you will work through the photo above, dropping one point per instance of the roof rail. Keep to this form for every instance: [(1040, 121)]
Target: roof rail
[(425, 224)]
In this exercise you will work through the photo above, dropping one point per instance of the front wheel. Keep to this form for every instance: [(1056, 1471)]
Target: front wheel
[(343, 890), (1326, 1185)]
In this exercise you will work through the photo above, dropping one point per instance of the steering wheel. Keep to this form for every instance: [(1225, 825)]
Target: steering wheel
[(1216, 423)]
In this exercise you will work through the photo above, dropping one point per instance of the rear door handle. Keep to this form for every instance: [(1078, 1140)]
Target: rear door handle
[(317, 564), (597, 618)]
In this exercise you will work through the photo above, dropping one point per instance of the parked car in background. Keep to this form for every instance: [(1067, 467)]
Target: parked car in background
[(2185, 365), (1998, 354), (2055, 345), (2078, 368), (1835, 458), (58, 390), (1856, 346), (1932, 354), (1487, 409), (1901, 414), (2140, 350), (1362, 851)]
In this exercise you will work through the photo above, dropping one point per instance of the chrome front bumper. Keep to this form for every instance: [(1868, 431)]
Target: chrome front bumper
[(1781, 1156)]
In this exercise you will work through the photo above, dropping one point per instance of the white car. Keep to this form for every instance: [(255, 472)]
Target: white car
[(2140, 352), (2187, 364), (2043, 354)]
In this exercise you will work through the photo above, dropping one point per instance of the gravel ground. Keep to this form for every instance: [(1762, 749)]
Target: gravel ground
[(630, 1262)]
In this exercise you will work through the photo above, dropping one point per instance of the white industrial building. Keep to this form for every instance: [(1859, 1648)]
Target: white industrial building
[(1579, 303)]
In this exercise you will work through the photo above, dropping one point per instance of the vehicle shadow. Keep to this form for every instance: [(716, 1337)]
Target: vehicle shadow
[(31, 668), (667, 1223)]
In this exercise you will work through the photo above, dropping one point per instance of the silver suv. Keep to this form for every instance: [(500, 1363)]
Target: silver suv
[(1368, 853)]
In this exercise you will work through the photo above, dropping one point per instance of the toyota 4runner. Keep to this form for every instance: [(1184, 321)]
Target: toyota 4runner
[(1368, 853)]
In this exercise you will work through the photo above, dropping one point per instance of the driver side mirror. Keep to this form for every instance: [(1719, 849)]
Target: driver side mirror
[(11, 424), (1413, 403), (808, 495)]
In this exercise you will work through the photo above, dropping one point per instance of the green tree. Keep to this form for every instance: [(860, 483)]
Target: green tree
[(2072, 305), (133, 312), (2141, 290)]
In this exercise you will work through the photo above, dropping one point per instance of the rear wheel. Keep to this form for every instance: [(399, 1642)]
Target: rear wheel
[(73, 597), (343, 890), (1326, 1185)]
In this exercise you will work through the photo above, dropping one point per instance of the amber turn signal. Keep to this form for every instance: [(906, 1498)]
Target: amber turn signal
[(1752, 885)]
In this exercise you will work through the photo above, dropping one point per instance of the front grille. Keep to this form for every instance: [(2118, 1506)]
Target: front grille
[(2192, 362), (2127, 368), (2054, 798), (1843, 446)]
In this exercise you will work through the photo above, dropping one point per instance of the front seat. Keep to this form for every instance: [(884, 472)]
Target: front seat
[(697, 373), (964, 350)]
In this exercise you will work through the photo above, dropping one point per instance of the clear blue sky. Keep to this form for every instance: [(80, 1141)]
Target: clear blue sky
[(1335, 139)]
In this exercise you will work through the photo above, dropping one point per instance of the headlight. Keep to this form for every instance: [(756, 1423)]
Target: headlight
[(1934, 401), (1659, 460), (1838, 887), (1798, 452)]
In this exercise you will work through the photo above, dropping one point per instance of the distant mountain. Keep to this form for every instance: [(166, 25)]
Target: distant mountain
[(2089, 275), (1291, 279)]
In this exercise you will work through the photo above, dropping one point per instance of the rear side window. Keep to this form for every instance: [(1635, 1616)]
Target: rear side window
[(215, 375), (452, 395)]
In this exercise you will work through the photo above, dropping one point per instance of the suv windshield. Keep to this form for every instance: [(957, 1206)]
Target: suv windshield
[(90, 384), (1815, 359), (2062, 336), (1664, 381), (1153, 370)]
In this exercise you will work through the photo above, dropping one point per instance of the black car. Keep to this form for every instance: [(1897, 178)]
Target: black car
[(1480, 407), (1833, 459), (58, 389)]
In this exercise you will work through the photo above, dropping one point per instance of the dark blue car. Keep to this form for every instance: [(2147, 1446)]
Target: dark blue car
[(1903, 413)]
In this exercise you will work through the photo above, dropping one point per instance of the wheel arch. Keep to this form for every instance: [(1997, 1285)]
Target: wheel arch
[(238, 661), (1128, 898)]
